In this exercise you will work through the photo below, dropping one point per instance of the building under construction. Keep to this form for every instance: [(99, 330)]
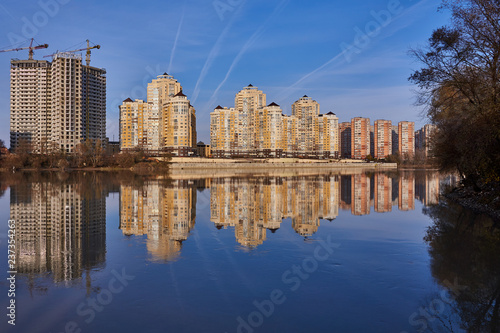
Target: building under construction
[(56, 105)]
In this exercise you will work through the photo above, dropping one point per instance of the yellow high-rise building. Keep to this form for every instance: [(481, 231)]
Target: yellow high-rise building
[(246, 102), (253, 129), (177, 125), (133, 124), (168, 122), (306, 110)]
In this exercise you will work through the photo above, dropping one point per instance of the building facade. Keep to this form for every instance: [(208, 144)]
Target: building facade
[(424, 139), (252, 129), (165, 123), (360, 138), (406, 136), (57, 105), (382, 138), (345, 139)]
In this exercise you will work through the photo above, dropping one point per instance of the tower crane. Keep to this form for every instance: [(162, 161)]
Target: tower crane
[(87, 56), (31, 48)]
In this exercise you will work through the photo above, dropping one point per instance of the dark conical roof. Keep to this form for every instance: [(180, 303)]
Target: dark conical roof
[(250, 85), (219, 107), (180, 93), (305, 96), (331, 113), (127, 100), (273, 104), (165, 73)]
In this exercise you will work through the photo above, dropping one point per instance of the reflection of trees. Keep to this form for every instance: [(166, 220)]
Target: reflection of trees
[(466, 248)]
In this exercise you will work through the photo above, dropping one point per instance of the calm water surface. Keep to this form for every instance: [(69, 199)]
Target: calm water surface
[(366, 252)]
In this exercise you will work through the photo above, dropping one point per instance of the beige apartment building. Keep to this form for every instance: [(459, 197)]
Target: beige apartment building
[(406, 138), (382, 139), (165, 123), (423, 139), (306, 110), (253, 129), (133, 123), (57, 105), (360, 138)]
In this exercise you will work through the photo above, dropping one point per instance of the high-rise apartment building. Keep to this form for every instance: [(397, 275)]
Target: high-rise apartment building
[(382, 139), (57, 105), (253, 129), (395, 139), (326, 135), (423, 139), (360, 138), (247, 102), (306, 110), (160, 91), (406, 134), (30, 103), (166, 123), (134, 123), (345, 139)]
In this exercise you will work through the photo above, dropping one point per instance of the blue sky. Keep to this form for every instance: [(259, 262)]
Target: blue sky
[(350, 56)]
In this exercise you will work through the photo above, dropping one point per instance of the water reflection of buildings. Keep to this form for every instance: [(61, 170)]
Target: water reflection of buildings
[(164, 212), (427, 188), (253, 205), (59, 229), (360, 202), (383, 193), (406, 198)]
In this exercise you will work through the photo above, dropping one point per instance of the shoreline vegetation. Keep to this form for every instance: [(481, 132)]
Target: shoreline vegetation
[(459, 87), (88, 156)]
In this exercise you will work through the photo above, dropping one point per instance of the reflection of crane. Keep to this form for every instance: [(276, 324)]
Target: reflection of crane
[(31, 48), (88, 48)]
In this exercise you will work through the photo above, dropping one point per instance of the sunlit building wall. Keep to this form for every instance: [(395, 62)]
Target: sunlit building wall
[(382, 139), (360, 138), (134, 126), (406, 135)]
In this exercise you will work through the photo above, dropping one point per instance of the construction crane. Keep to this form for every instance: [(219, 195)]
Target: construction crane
[(31, 48), (88, 48)]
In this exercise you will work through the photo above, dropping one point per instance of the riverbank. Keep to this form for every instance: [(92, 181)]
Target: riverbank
[(486, 201), (204, 167), (209, 167)]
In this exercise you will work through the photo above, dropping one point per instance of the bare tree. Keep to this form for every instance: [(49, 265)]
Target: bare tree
[(459, 85)]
